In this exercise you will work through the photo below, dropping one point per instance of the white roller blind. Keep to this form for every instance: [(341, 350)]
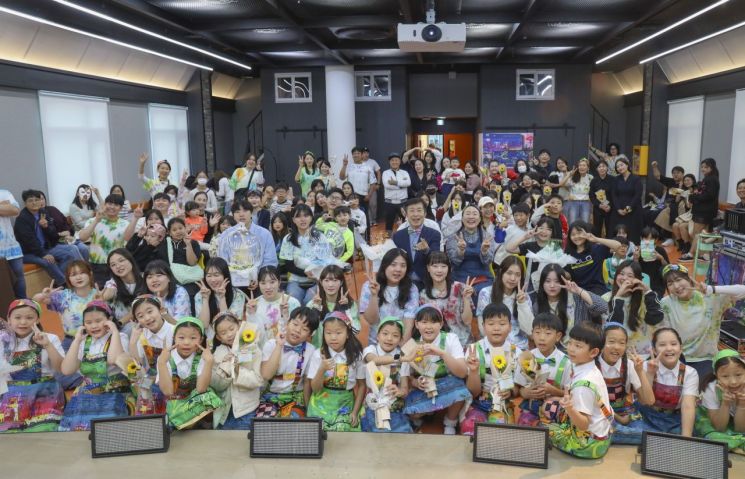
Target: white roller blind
[(684, 132), (737, 159), (75, 130), (169, 138)]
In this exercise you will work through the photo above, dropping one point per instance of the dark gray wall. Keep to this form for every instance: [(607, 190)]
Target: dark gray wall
[(633, 127), (551, 120), (453, 126), (606, 96), (435, 94), (195, 119), (224, 140), (247, 105), (382, 125), (282, 148), (658, 133)]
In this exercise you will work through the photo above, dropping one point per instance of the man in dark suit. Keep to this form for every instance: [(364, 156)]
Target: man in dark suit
[(417, 240), (39, 239)]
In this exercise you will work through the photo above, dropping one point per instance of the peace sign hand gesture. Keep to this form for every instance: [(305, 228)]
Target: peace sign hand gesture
[(636, 359), (204, 290), (472, 360), (165, 355), (252, 303), (653, 363), (206, 354), (40, 337), (461, 243), (522, 296), (570, 286), (344, 298), (373, 285), (468, 290), (222, 288), (421, 245), (98, 295), (485, 244), (47, 292), (284, 306)]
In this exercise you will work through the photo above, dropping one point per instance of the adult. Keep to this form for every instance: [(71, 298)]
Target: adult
[(395, 185), (106, 232), (418, 175), (611, 156), (471, 250), (542, 164), (248, 177), (361, 176), (9, 247), (154, 185), (307, 172), (39, 239), (600, 196), (626, 198), (83, 206), (418, 240), (373, 165), (65, 230), (202, 180), (705, 203)]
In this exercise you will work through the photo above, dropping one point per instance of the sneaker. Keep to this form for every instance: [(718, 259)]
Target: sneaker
[(668, 242), (686, 257)]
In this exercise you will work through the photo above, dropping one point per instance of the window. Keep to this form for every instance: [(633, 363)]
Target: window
[(169, 138), (535, 84), (373, 86), (293, 88), (75, 130), (685, 126)]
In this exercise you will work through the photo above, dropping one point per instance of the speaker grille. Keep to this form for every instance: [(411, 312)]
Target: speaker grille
[(684, 458), (128, 436), (510, 445), (286, 438)]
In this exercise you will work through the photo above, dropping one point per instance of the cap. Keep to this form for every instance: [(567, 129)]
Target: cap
[(392, 155), (485, 201)]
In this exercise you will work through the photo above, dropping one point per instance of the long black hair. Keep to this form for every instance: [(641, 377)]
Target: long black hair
[(352, 347), (222, 267), (542, 297), (497, 289), (711, 163), (438, 257), (122, 293), (294, 233), (571, 248), (404, 286), (636, 296), (91, 202), (337, 273), (158, 266)]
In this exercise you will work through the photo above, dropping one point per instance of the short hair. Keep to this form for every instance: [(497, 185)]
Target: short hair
[(623, 241), (27, 194), (335, 190), (557, 197), (281, 186), (161, 196), (741, 181), (312, 319), (317, 182), (650, 231), (678, 169), (114, 200), (587, 333), (415, 201), (341, 209), (520, 208), (242, 204), (357, 149), (191, 205), (493, 310), (544, 150), (548, 321)]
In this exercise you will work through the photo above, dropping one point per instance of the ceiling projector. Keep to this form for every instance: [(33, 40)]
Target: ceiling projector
[(432, 37)]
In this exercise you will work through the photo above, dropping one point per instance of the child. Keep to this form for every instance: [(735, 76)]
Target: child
[(610, 264), (451, 174), (151, 336), (387, 353), (674, 384), (236, 372), (273, 308), (721, 415), (224, 223), (590, 252), (585, 429), (554, 368), (33, 401), (103, 392), (491, 363), (621, 231), (623, 371), (284, 366), (196, 223), (333, 295), (336, 375), (342, 215), (184, 375), (337, 230), (357, 215), (441, 355), (653, 258), (552, 209), (281, 202)]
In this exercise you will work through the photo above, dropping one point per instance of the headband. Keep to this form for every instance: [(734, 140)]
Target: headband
[(391, 320), (428, 305), (222, 314), (190, 321), (674, 267), (611, 324), (727, 353), (96, 303), (19, 303), (144, 297), (343, 318)]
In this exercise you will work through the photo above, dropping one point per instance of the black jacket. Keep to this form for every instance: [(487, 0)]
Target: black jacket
[(25, 231)]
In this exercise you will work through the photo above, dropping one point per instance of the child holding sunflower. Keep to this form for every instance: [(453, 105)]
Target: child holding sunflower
[(236, 372), (491, 362)]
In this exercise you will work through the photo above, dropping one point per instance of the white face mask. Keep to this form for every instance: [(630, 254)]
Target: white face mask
[(522, 169), (201, 181)]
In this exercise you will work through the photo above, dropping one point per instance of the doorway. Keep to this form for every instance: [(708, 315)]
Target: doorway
[(454, 137)]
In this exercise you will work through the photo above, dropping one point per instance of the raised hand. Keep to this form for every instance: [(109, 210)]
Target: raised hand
[(653, 363), (138, 213), (570, 286), (204, 290), (566, 401), (344, 298), (728, 396), (98, 295), (345, 159), (317, 301), (522, 296), (143, 158), (626, 288), (280, 338), (468, 290), (80, 334), (50, 289), (215, 220), (421, 245), (40, 337), (301, 161), (111, 326), (222, 288), (485, 244), (284, 306), (373, 285), (327, 364), (165, 355), (206, 354), (431, 349), (461, 243), (472, 360), (252, 303), (636, 359)]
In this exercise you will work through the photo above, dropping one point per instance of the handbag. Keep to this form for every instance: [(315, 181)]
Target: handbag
[(183, 273)]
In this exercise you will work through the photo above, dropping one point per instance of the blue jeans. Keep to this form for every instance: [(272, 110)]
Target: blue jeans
[(62, 253), (19, 287), (577, 210), (242, 423), (304, 296), (83, 250)]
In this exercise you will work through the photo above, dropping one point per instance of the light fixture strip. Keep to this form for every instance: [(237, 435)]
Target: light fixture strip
[(150, 33), (689, 44), (99, 37), (664, 30)]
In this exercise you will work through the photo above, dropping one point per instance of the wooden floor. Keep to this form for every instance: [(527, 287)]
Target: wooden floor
[(224, 455)]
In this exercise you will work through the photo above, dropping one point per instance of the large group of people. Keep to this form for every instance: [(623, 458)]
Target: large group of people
[(539, 293)]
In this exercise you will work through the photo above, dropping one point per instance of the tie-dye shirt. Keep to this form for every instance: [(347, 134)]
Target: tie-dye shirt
[(268, 314), (70, 306), (107, 236), (9, 246)]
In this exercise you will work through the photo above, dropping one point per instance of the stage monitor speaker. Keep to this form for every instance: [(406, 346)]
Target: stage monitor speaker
[(670, 455), (287, 438), (125, 436), (510, 444)]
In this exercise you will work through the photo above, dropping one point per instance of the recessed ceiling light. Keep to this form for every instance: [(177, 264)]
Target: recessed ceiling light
[(150, 33), (99, 37), (270, 30), (699, 40), (666, 29)]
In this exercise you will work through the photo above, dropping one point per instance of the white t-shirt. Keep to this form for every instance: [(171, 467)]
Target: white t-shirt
[(361, 175), (183, 365), (669, 377), (452, 347), (614, 371), (285, 375), (557, 356), (356, 370), (24, 344), (586, 402), (162, 339), (97, 347), (404, 369)]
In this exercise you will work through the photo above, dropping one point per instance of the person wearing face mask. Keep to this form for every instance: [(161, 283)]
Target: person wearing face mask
[(83, 206), (202, 181)]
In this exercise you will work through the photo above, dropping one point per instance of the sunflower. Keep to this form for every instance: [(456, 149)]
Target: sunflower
[(500, 208), (526, 365), (132, 368), (379, 378), (547, 190), (500, 362), (248, 336), (502, 168)]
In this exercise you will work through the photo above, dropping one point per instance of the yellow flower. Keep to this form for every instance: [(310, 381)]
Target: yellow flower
[(248, 336), (547, 190), (500, 208), (132, 368), (526, 364), (379, 378), (418, 359), (502, 168), (500, 362)]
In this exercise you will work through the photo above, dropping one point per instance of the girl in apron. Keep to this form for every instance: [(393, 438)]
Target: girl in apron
[(105, 390), (151, 336), (184, 374), (623, 371), (33, 401), (674, 384), (441, 354), (336, 375), (721, 415)]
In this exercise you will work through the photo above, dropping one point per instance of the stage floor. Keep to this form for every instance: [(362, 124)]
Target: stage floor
[(224, 455)]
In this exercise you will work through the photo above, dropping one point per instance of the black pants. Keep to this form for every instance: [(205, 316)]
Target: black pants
[(600, 219), (392, 213)]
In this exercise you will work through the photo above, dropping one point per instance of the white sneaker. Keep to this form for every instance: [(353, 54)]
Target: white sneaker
[(449, 431), (668, 242)]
